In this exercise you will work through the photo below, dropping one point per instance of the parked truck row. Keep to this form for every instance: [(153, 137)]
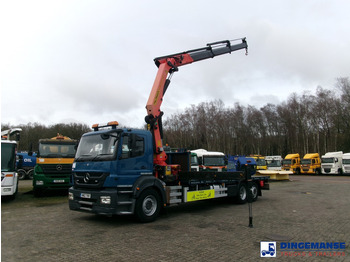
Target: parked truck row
[(331, 163)]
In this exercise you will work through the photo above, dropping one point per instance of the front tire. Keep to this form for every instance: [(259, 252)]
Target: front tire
[(147, 206)]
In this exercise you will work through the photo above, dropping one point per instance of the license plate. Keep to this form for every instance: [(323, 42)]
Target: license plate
[(85, 195), (58, 181)]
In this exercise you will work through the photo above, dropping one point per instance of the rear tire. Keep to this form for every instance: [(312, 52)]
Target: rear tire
[(148, 206), (30, 174), (21, 174)]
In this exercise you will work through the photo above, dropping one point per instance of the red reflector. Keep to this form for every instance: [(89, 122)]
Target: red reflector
[(262, 183)]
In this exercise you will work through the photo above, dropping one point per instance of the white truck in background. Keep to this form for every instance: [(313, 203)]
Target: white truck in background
[(331, 163), (210, 160), (9, 176), (346, 163), (274, 162)]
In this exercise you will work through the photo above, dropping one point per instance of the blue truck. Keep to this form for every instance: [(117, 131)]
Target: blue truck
[(246, 164), (124, 171), (25, 165)]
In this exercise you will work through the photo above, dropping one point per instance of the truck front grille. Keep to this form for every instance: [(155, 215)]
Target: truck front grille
[(56, 168), (89, 179)]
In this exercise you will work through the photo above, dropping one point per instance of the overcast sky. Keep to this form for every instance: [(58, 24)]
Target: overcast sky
[(92, 61)]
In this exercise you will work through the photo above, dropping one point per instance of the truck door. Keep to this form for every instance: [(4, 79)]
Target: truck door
[(134, 159)]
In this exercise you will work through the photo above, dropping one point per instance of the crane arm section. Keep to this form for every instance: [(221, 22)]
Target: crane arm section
[(167, 65)]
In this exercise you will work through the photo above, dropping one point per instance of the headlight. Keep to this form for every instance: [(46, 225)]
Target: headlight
[(70, 196), (105, 200)]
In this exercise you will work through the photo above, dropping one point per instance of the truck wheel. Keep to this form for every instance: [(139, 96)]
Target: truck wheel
[(242, 194), (254, 191), (147, 206), (21, 174), (30, 174)]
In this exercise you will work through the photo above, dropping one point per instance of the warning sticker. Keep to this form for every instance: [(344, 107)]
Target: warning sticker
[(200, 195)]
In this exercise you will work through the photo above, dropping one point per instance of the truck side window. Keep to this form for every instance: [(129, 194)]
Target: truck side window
[(125, 147), (138, 146), (132, 146)]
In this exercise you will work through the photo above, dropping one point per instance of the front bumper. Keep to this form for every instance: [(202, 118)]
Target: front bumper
[(91, 201)]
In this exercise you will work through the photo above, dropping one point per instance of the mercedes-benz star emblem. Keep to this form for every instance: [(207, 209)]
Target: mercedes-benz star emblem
[(87, 178), (59, 167)]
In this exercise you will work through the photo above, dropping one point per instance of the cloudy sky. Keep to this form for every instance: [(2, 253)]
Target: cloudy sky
[(92, 61)]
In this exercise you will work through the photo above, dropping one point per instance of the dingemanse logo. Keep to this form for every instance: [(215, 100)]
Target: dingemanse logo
[(267, 249)]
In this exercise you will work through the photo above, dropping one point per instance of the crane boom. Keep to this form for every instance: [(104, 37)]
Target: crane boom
[(167, 65)]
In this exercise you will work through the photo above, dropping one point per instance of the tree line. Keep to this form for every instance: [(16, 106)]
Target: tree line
[(303, 124), (32, 132)]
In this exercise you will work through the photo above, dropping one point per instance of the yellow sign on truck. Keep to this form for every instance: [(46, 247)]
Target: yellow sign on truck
[(200, 195)]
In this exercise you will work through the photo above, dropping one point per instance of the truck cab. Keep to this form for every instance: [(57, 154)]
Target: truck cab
[(260, 162), (346, 163), (331, 163), (106, 167), (311, 164), (210, 160), (53, 164), (240, 163), (9, 176), (274, 162), (291, 163)]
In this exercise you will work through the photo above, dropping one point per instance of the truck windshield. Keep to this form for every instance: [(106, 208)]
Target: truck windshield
[(8, 157), (273, 163), (56, 149), (287, 161), (260, 162), (194, 160), (346, 161), (97, 147), (305, 161), (327, 160), (213, 160)]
